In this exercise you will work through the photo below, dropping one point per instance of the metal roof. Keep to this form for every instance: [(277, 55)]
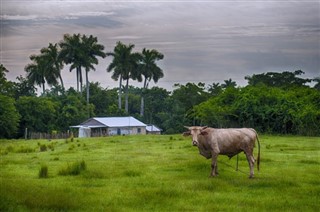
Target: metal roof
[(128, 121), (88, 126), (153, 128)]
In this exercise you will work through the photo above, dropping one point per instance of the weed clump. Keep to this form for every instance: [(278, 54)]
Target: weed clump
[(43, 172), (74, 169)]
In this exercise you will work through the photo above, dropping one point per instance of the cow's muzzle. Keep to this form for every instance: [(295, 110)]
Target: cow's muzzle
[(195, 143)]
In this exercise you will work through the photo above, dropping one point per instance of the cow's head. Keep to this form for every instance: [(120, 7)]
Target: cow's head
[(195, 132)]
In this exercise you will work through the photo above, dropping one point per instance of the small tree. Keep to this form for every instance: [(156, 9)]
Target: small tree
[(9, 117)]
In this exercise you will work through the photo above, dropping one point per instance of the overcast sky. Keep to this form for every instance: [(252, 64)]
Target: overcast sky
[(202, 41)]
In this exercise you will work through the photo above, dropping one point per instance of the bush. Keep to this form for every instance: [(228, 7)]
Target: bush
[(73, 169), (43, 173)]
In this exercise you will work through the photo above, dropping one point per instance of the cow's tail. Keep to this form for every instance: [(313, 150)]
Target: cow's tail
[(258, 159)]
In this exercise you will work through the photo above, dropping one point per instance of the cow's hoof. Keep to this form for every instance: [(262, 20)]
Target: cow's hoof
[(251, 177)]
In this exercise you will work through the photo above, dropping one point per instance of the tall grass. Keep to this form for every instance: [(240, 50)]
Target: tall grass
[(158, 173)]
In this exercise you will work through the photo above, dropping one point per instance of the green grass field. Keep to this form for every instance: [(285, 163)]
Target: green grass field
[(156, 173)]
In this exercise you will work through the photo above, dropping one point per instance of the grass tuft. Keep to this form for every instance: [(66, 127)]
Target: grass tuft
[(313, 162), (24, 149), (132, 173), (43, 148), (43, 172), (74, 169)]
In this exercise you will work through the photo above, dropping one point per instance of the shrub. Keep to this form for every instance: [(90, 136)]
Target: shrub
[(43, 173), (73, 169)]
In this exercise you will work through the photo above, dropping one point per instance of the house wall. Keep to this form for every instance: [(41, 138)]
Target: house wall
[(100, 132), (126, 130)]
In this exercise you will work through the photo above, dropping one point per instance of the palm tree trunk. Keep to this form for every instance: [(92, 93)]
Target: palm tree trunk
[(127, 97), (120, 91), (87, 86), (77, 80), (142, 97), (43, 88), (80, 74), (61, 81), (142, 106)]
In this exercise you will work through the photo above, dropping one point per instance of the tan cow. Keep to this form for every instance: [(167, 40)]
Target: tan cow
[(213, 142)]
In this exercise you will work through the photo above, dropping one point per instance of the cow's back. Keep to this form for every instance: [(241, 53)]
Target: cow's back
[(232, 141)]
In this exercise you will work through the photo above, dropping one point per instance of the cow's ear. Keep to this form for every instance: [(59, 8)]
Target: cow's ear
[(186, 133), (203, 132)]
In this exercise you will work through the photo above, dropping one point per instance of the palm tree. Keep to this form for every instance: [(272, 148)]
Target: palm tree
[(37, 72), (3, 71), (70, 53), (53, 62), (229, 83), (81, 52), (124, 66), (91, 50), (149, 70)]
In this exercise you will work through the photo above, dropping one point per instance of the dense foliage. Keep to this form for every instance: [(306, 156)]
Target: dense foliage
[(268, 109), (272, 102)]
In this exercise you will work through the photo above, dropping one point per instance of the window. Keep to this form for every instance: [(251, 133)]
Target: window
[(139, 130)]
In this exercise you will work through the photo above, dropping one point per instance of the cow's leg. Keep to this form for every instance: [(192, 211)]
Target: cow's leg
[(216, 169), (214, 165), (250, 158)]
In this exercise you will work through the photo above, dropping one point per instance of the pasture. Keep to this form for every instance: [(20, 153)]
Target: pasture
[(156, 173)]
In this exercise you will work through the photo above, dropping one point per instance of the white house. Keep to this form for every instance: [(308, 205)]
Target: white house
[(105, 126)]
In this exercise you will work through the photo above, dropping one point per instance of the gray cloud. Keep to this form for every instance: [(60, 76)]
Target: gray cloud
[(202, 41)]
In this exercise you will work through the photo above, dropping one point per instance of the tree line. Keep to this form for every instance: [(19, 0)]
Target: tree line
[(271, 102)]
